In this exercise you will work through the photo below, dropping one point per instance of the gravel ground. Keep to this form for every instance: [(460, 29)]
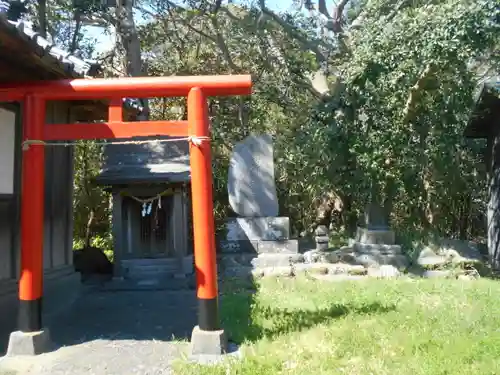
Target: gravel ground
[(115, 333)]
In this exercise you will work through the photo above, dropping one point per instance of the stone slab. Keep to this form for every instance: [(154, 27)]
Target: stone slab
[(376, 217), (29, 343), (258, 247), (208, 342), (279, 247), (369, 236), (251, 183), (377, 249), (236, 247), (258, 228)]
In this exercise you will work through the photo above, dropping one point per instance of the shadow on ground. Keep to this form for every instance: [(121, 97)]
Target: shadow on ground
[(242, 316), (137, 315)]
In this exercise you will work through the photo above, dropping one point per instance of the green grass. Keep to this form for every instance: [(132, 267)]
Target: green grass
[(300, 326)]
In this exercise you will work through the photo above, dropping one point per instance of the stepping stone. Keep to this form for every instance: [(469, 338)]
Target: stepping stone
[(147, 282)]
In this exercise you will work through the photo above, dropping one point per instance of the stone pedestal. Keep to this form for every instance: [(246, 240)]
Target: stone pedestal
[(383, 236), (372, 248), (208, 342), (258, 242), (29, 343)]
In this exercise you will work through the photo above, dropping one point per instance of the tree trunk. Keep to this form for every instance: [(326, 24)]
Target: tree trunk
[(88, 229), (464, 217), (42, 17), (129, 39), (389, 196), (78, 26)]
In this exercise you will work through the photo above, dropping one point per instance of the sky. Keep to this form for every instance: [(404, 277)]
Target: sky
[(104, 41)]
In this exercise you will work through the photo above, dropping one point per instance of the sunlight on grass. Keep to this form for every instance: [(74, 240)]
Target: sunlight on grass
[(300, 326)]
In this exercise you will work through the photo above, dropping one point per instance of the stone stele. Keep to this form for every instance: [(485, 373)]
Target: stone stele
[(251, 185)]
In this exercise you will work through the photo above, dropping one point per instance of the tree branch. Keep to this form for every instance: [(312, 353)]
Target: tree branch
[(415, 93), (294, 32), (337, 16), (323, 9)]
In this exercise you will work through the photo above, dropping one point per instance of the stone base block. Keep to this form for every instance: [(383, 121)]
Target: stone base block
[(261, 247), (237, 246), (277, 260), (279, 247), (29, 343), (368, 256), (208, 342), (234, 260), (372, 236), (363, 248)]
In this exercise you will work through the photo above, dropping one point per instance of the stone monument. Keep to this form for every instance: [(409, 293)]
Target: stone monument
[(376, 221), (251, 186), (257, 237), (376, 228), (375, 243)]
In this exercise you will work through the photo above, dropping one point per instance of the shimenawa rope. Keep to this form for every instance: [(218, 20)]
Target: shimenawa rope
[(195, 140)]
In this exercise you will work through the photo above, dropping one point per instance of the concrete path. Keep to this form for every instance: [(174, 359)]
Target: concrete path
[(115, 333)]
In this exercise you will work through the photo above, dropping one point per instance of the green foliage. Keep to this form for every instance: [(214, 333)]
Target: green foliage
[(409, 83), (101, 242), (401, 88), (98, 241), (92, 211)]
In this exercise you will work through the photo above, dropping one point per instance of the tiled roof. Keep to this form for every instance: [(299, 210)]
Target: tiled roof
[(65, 61), (123, 163)]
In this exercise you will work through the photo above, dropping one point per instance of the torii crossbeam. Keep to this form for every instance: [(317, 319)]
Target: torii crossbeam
[(34, 96)]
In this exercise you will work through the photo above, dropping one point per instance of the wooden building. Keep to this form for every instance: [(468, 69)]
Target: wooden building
[(26, 56), (151, 206), (485, 123)]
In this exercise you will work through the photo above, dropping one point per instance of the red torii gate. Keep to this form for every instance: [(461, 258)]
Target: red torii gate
[(34, 96)]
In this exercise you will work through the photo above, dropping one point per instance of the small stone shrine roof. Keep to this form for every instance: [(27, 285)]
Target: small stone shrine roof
[(486, 113), (155, 162)]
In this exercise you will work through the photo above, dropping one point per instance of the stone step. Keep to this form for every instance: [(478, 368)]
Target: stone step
[(149, 261), (147, 273), (350, 256), (277, 260), (150, 268), (150, 284), (377, 249)]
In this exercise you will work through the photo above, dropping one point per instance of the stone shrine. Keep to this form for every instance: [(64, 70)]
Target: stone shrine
[(376, 229), (375, 243), (258, 236)]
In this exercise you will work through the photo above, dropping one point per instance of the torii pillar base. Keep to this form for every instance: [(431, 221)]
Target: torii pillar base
[(29, 343), (208, 342)]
